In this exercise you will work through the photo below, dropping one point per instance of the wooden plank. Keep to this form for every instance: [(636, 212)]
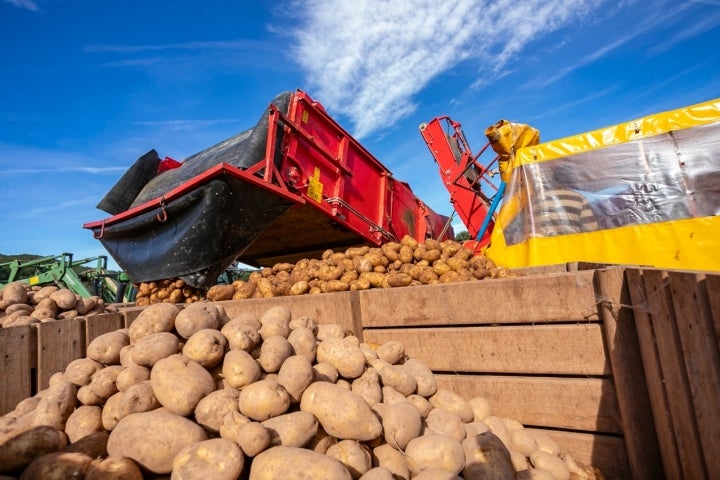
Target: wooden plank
[(712, 285), (97, 325), (59, 343), (545, 298), (521, 349), (602, 451), (586, 404), (685, 428), (15, 378), (653, 375), (633, 401), (325, 308), (702, 360)]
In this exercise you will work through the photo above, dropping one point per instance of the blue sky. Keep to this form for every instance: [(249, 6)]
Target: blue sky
[(88, 86)]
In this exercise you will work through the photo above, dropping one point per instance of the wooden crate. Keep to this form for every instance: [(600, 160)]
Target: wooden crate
[(677, 315), (29, 355), (533, 346), (618, 365)]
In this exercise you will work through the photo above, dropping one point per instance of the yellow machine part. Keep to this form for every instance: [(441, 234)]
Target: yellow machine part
[(652, 185)]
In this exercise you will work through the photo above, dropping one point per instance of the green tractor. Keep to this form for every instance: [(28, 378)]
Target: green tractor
[(79, 276)]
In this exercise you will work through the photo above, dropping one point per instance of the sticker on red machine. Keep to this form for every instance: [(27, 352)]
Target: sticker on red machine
[(315, 187)]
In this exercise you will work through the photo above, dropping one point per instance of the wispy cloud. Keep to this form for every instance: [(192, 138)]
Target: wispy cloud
[(55, 207), (26, 4), (367, 59), (184, 125), (76, 169), (209, 45), (703, 25)]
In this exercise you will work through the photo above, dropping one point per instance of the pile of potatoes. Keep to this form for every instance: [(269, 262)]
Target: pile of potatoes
[(167, 291), (394, 264), (21, 304), (186, 392)]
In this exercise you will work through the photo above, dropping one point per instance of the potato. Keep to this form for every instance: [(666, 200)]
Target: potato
[(240, 336), (138, 398), (93, 445), (103, 383), (395, 376), (303, 342), (169, 433), (435, 451), (480, 407), (231, 425), (291, 463), (81, 370), (85, 305), (447, 423), (57, 466), (274, 350), (424, 377), (436, 474), (452, 402), (391, 351), (354, 455), (218, 293), (387, 457), (21, 449), (551, 463), (207, 347), (378, 473), (342, 413), (111, 411), (115, 468), (180, 383), (346, 357), (47, 308), (149, 349), (240, 369), (534, 474), (401, 423), (497, 426), (84, 421), (263, 399), (252, 438), (294, 429), (275, 321), (325, 372), (486, 457), (368, 387), (155, 318), (329, 330), (295, 375), (545, 443), (105, 348), (216, 458), (55, 406), (211, 410), (195, 317), (64, 299), (130, 376), (15, 292), (522, 441)]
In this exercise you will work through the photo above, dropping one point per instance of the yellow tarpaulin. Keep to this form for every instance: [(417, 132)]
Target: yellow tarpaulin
[(644, 192)]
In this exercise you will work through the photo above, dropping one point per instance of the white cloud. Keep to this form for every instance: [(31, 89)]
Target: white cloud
[(367, 59), (26, 4)]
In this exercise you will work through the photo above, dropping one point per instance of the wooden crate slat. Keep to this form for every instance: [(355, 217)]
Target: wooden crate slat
[(702, 360), (653, 375), (545, 299), (685, 428), (623, 349), (586, 404), (543, 349), (59, 343), (15, 380), (326, 308), (712, 284), (97, 325), (602, 451)]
